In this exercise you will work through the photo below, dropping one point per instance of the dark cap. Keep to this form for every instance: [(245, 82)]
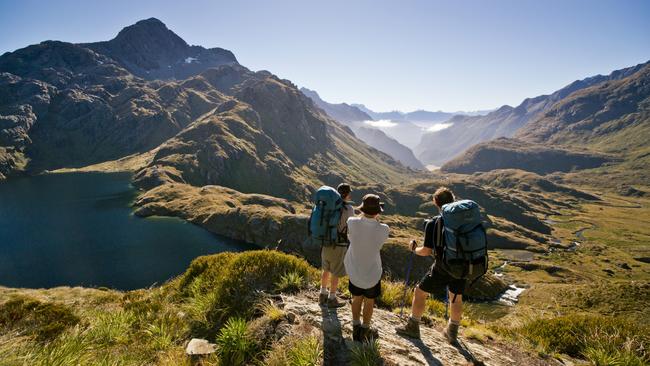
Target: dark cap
[(371, 205), (344, 189)]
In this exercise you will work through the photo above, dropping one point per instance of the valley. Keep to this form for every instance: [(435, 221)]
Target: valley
[(562, 181)]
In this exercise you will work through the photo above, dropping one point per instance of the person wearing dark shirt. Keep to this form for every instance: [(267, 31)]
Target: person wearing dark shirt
[(436, 278)]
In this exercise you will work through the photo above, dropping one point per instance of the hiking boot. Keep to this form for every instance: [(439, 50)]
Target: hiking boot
[(333, 302), (411, 329), (356, 332), (322, 299), (369, 334), (451, 332)]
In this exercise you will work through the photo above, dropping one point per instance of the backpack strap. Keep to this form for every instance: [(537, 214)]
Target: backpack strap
[(437, 234)]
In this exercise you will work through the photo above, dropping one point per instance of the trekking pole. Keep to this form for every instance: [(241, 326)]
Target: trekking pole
[(406, 282)]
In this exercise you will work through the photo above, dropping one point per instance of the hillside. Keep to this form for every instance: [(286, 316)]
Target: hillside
[(439, 147), (504, 153), (379, 140), (69, 105), (260, 307), (341, 112), (608, 119)]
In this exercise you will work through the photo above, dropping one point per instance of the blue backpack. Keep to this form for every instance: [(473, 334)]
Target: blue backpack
[(325, 217), (464, 254)]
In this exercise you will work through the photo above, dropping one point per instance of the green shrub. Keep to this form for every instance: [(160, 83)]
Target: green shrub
[(45, 320), (290, 282), (237, 280), (209, 269), (235, 345), (588, 336), (366, 354)]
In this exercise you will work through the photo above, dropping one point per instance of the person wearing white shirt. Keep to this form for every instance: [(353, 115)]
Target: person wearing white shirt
[(363, 264)]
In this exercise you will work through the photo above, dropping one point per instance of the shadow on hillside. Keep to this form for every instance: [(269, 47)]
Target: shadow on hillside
[(426, 352), (335, 352)]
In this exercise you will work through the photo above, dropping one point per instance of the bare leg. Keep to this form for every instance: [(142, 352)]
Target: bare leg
[(334, 283), (419, 303), (357, 301), (368, 307), (324, 278), (456, 307)]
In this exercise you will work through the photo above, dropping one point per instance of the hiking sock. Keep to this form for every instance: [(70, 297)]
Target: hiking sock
[(416, 318), (332, 295), (356, 322), (454, 322), (365, 326), (324, 291)]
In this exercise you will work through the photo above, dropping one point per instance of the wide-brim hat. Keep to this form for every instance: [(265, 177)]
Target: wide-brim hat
[(371, 205)]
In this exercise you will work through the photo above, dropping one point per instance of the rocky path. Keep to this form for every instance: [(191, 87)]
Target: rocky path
[(433, 349)]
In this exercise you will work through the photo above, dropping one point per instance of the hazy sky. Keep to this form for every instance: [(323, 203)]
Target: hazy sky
[(449, 55)]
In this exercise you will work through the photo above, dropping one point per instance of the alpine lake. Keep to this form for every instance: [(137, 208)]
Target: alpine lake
[(78, 229)]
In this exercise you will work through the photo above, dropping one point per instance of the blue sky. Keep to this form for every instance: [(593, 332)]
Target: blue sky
[(448, 55)]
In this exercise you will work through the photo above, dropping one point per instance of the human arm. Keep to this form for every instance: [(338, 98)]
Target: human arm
[(421, 251)]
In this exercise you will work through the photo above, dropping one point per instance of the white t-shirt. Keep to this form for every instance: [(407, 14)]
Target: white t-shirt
[(362, 260)]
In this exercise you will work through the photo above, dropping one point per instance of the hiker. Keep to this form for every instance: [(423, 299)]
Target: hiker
[(363, 264), (468, 249), (332, 255)]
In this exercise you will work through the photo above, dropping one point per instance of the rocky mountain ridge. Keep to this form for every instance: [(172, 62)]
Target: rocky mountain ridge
[(466, 131), (71, 105), (606, 122)]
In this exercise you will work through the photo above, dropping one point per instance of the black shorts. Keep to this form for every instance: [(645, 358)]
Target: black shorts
[(436, 280), (368, 293)]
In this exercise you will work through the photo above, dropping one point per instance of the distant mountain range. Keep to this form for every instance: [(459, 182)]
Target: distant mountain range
[(604, 119), (417, 116), (441, 146), (202, 117), (357, 120)]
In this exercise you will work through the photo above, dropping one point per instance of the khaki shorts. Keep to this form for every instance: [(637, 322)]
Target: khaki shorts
[(332, 259)]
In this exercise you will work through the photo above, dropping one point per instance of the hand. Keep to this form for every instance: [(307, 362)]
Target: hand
[(414, 244)]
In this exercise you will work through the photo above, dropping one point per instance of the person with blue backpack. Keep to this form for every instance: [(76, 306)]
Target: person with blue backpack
[(458, 242), (328, 229)]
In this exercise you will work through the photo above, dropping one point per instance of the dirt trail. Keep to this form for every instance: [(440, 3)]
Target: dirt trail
[(433, 349)]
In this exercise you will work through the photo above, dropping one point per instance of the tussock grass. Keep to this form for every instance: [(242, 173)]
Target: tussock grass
[(306, 351), (236, 345), (366, 354), (272, 311), (44, 320), (291, 282), (596, 338), (110, 328), (393, 295)]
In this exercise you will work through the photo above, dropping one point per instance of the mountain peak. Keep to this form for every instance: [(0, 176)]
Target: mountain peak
[(147, 32), (151, 50)]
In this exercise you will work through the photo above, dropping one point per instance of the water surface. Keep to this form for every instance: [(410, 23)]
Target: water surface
[(78, 229)]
